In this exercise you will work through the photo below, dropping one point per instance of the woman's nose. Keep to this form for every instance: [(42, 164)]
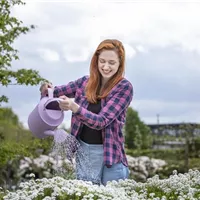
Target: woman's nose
[(106, 66)]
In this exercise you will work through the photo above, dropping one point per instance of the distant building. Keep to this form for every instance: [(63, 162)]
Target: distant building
[(175, 129)]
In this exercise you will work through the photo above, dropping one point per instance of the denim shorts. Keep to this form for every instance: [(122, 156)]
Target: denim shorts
[(90, 165)]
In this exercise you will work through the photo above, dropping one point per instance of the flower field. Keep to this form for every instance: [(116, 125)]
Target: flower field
[(177, 187)]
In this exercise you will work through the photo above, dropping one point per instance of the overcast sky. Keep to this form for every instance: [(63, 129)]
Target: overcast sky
[(161, 39)]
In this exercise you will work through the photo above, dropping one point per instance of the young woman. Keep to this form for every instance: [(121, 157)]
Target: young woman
[(98, 114)]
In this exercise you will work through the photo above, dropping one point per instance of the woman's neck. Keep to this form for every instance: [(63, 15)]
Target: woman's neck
[(103, 82)]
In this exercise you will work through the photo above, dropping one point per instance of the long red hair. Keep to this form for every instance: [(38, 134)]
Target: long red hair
[(93, 87)]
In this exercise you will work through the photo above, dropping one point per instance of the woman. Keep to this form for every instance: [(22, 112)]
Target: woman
[(98, 114)]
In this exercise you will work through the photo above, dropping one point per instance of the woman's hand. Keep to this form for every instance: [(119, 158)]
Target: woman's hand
[(68, 104), (44, 88)]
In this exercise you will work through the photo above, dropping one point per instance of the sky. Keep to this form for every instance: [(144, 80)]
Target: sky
[(162, 44)]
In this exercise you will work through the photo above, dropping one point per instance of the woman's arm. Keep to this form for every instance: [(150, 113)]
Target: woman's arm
[(119, 101), (68, 90)]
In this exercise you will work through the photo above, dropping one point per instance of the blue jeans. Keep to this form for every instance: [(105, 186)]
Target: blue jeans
[(90, 166), (116, 172)]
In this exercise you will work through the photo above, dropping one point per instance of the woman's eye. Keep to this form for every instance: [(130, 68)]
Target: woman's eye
[(102, 61)]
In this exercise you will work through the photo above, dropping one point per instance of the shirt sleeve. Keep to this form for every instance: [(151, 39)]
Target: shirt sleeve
[(114, 107), (69, 89)]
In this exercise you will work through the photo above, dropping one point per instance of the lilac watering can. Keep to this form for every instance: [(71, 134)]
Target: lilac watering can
[(47, 115)]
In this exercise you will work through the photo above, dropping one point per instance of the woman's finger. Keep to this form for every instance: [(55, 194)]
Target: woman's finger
[(62, 97), (44, 86)]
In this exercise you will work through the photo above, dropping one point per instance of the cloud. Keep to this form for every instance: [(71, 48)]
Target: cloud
[(75, 53), (162, 46), (169, 112), (49, 55), (141, 49), (130, 51), (80, 25), (162, 74)]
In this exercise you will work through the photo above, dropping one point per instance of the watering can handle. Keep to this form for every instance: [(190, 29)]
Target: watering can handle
[(50, 92), (50, 95)]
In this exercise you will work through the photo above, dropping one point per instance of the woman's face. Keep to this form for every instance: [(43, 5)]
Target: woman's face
[(108, 64)]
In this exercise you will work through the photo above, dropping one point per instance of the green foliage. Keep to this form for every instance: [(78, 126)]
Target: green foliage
[(6, 114), (15, 143), (194, 147), (21, 76), (39, 146), (13, 132), (3, 98), (194, 163), (10, 127), (131, 120), (2, 194), (138, 138), (11, 150), (165, 154), (146, 136), (11, 28), (137, 134)]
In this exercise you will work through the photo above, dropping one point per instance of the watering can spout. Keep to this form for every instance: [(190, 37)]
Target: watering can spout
[(49, 133)]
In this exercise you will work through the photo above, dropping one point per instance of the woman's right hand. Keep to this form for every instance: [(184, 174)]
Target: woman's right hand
[(44, 88)]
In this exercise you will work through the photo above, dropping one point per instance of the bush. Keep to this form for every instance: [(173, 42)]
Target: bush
[(165, 154), (11, 153), (175, 159)]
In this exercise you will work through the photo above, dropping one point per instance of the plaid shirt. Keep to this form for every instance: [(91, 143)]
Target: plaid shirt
[(110, 119)]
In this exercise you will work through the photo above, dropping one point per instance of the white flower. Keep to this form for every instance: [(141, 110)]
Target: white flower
[(32, 175), (179, 186)]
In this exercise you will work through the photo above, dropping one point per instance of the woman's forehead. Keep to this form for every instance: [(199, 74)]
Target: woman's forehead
[(109, 55)]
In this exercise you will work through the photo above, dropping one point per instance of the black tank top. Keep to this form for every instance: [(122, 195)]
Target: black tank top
[(89, 135)]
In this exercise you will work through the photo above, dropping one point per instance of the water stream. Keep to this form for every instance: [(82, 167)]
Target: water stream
[(66, 146)]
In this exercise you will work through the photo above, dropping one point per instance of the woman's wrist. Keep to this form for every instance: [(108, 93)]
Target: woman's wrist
[(74, 107)]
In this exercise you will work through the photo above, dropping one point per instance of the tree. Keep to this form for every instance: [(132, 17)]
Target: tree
[(188, 133), (10, 29), (131, 119), (147, 137), (7, 114), (137, 138), (10, 126), (137, 134)]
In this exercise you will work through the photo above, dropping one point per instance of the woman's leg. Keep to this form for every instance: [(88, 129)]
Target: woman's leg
[(89, 161), (115, 172)]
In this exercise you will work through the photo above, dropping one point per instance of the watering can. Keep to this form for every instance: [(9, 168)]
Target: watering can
[(46, 116)]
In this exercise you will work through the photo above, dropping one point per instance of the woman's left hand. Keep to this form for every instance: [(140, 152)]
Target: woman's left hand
[(68, 104)]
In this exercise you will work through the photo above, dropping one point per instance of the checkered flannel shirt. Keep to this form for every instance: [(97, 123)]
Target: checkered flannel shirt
[(110, 119)]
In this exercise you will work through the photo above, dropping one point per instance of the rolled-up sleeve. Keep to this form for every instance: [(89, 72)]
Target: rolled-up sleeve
[(69, 89), (115, 105)]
